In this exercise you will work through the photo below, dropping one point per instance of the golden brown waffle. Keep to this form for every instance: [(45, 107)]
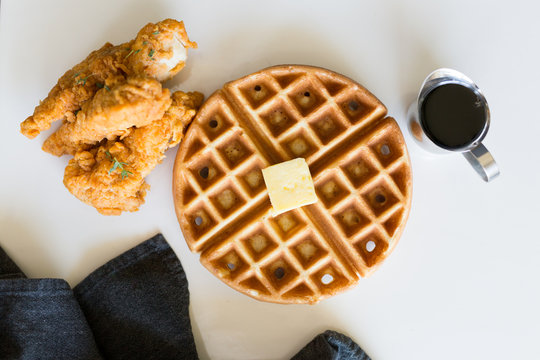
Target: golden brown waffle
[(358, 161)]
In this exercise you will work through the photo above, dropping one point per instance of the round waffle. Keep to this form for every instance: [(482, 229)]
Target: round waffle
[(360, 168)]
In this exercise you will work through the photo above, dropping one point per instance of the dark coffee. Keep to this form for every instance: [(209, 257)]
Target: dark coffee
[(453, 115)]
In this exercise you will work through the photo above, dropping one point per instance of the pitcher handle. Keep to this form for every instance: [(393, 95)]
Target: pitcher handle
[(482, 161)]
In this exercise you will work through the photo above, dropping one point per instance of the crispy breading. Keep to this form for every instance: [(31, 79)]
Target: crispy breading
[(111, 113), (103, 66), (88, 175), (160, 50), (153, 53)]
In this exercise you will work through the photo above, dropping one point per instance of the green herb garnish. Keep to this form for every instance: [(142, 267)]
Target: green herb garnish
[(151, 53), (145, 42), (83, 80), (132, 52), (125, 174), (101, 85), (118, 165), (155, 33)]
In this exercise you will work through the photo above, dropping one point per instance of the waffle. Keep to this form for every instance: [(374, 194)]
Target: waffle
[(360, 168)]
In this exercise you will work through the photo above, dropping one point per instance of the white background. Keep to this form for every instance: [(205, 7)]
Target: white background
[(464, 281)]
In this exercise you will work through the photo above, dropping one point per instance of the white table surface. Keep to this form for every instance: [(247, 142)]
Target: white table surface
[(464, 281)]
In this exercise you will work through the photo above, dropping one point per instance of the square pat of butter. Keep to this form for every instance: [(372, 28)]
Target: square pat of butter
[(289, 185)]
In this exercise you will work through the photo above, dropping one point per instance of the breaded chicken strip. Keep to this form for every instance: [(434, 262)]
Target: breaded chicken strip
[(103, 66), (110, 177), (159, 51), (88, 176), (110, 114)]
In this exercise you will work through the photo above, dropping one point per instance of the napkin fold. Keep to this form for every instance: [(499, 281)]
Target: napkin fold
[(40, 319), (8, 269), (136, 306), (331, 345)]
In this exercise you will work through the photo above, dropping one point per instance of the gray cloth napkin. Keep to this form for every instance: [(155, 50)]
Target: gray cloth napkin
[(134, 307)]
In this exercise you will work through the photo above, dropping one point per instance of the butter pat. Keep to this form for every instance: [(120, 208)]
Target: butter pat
[(289, 185)]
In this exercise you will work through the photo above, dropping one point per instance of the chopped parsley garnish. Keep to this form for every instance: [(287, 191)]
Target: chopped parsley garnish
[(101, 85), (151, 52), (132, 52), (125, 174), (117, 165), (155, 33), (83, 80)]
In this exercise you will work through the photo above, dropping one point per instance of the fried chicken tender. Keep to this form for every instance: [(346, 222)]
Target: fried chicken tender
[(87, 177), (110, 177), (159, 51), (103, 66), (111, 113)]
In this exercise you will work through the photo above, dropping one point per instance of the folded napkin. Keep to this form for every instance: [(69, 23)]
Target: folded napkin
[(8, 269), (134, 307), (331, 345)]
